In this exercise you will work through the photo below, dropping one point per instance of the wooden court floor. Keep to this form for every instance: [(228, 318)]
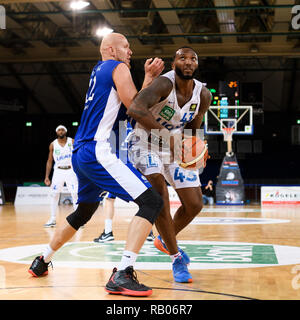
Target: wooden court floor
[(230, 260)]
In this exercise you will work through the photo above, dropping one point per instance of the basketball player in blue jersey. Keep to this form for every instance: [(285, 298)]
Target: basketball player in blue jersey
[(176, 101), (98, 169)]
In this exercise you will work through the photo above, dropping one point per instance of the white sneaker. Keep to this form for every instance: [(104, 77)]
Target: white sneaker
[(50, 224)]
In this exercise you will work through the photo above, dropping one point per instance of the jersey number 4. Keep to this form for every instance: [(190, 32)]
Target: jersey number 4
[(179, 175)]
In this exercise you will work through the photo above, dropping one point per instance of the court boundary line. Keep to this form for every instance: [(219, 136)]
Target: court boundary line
[(157, 288), (185, 288)]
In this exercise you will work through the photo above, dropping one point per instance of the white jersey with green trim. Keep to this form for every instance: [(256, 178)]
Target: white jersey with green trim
[(62, 155), (169, 114)]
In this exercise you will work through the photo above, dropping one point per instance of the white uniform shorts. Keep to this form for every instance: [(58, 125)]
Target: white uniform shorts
[(61, 176), (150, 162)]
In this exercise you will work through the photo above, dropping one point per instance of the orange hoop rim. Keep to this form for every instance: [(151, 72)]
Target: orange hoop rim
[(228, 130)]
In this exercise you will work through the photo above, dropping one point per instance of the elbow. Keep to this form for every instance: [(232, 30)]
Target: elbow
[(129, 112), (132, 114)]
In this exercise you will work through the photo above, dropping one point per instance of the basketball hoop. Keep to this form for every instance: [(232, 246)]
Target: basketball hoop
[(227, 132)]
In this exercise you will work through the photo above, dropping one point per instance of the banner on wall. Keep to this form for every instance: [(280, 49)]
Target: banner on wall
[(36, 195), (230, 185), (42, 196), (280, 195)]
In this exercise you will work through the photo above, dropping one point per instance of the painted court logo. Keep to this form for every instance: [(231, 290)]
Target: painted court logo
[(2, 277), (2, 18), (203, 255)]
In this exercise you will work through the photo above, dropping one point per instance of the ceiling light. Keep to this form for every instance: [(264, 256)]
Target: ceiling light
[(126, 4), (254, 2), (101, 32), (78, 5)]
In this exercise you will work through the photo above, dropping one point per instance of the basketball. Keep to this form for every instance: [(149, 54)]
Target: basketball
[(193, 152)]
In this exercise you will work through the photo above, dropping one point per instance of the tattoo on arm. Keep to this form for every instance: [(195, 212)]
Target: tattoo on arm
[(148, 97)]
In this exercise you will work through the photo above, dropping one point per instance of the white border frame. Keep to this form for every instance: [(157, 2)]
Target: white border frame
[(250, 108)]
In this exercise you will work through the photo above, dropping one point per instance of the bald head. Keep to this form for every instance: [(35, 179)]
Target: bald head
[(116, 47), (110, 40)]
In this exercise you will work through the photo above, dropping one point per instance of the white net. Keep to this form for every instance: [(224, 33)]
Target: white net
[(227, 132)]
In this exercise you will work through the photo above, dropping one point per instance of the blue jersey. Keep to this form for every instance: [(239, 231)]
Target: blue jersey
[(103, 108), (95, 160)]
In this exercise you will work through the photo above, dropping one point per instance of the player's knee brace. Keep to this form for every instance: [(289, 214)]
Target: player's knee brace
[(150, 204), (82, 214)]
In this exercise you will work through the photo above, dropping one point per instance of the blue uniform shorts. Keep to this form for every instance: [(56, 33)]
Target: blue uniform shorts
[(99, 171)]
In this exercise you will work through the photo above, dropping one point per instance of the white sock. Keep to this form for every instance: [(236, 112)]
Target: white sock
[(174, 256), (48, 254), (108, 225), (54, 205), (128, 259), (74, 200)]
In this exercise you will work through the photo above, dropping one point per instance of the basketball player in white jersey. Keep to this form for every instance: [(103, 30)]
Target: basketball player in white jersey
[(60, 150), (176, 101)]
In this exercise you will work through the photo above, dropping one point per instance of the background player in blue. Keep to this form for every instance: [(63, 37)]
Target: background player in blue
[(99, 169)]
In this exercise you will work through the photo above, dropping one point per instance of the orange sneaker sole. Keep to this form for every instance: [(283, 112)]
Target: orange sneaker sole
[(157, 243)]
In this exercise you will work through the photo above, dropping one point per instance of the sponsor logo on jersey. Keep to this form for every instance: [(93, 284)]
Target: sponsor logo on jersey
[(193, 107), (66, 156), (57, 152), (168, 125), (167, 113)]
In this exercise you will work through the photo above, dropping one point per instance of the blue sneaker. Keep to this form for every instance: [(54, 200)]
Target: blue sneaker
[(160, 245), (180, 271), (184, 255)]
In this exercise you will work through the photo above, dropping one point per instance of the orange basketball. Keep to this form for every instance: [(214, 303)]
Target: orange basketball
[(193, 151)]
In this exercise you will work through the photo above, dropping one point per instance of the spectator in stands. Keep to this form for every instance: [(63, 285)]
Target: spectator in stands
[(208, 193)]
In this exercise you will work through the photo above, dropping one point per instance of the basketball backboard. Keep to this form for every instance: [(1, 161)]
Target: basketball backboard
[(219, 117)]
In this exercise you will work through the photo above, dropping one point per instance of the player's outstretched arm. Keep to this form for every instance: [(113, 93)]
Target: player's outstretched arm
[(49, 165), (205, 98), (159, 89)]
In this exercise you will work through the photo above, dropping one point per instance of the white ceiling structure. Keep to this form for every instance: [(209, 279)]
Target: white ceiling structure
[(49, 50)]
